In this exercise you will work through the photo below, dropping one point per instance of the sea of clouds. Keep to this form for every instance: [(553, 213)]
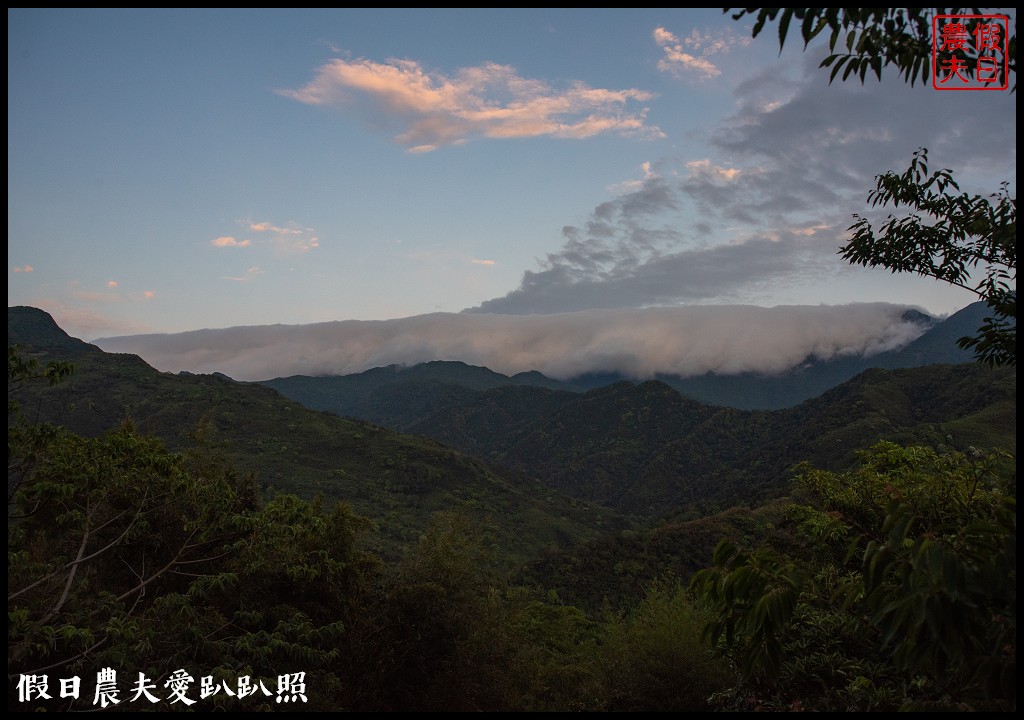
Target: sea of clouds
[(638, 343)]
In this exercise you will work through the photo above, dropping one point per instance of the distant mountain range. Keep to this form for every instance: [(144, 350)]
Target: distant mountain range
[(396, 480), (671, 441), (551, 469), (748, 391), (401, 397)]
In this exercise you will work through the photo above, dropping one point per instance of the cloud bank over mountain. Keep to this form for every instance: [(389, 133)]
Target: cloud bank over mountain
[(636, 342)]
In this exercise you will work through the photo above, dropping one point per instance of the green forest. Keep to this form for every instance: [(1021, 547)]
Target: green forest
[(185, 542)]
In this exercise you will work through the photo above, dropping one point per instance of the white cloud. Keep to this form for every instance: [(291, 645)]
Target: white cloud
[(772, 208), (689, 57), (288, 239), (250, 274), (639, 343), (488, 101), (228, 241), (270, 227), (706, 169)]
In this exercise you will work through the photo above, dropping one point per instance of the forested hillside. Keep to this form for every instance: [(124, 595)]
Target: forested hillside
[(548, 549)]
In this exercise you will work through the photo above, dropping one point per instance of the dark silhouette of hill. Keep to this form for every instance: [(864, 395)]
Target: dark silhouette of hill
[(651, 447), (396, 480), (405, 398), (593, 494), (554, 455), (742, 459), (648, 450), (399, 397), (33, 328)]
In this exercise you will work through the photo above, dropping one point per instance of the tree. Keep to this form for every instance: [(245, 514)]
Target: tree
[(967, 232), (125, 557), (893, 586), (878, 37)]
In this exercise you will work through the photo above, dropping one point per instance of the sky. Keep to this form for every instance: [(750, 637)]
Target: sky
[(172, 171)]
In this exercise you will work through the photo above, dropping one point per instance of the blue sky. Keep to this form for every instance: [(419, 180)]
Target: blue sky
[(172, 170)]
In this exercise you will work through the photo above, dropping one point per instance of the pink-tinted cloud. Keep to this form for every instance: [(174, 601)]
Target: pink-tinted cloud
[(112, 283), (679, 62), (710, 172), (688, 56), (289, 239), (24, 269), (270, 227), (483, 262), (487, 101), (228, 241)]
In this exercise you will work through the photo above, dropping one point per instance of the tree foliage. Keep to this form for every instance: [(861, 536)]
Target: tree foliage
[(948, 236), (961, 232), (893, 586), (875, 38), (123, 555), (21, 369)]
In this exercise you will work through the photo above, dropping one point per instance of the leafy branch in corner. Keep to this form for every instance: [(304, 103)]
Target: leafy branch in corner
[(948, 236)]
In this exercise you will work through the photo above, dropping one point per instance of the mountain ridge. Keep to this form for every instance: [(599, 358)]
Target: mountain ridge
[(362, 395), (396, 480), (541, 468)]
